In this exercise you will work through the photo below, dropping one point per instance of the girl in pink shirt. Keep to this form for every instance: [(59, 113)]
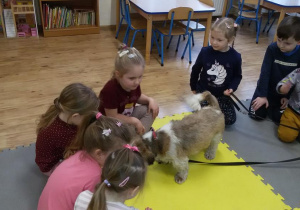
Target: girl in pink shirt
[(58, 126), (97, 137)]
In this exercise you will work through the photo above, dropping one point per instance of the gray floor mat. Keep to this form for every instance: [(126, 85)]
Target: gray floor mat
[(257, 141), (21, 182)]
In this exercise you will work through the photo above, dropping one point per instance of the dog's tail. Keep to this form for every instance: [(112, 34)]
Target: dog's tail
[(194, 100)]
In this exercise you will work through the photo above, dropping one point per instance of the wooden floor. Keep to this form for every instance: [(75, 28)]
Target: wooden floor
[(33, 71)]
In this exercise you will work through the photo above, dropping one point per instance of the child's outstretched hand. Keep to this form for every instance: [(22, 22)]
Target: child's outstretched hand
[(258, 102), (140, 129), (228, 92), (153, 106), (284, 103)]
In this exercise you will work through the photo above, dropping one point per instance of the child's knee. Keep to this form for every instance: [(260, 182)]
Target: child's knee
[(286, 136)]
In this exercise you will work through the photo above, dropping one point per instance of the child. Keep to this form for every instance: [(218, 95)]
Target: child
[(120, 95), (281, 58), (58, 126), (219, 67), (97, 137), (291, 115), (123, 177)]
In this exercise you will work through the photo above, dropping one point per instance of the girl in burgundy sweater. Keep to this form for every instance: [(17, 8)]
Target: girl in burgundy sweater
[(58, 126)]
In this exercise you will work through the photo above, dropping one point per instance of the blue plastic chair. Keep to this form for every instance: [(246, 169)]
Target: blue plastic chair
[(173, 29), (137, 25), (250, 14)]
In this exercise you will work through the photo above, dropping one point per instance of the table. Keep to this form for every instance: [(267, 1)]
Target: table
[(157, 10), (283, 6)]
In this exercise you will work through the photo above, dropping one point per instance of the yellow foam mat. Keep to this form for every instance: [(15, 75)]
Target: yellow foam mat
[(208, 187)]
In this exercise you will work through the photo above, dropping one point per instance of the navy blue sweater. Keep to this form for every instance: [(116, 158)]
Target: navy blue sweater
[(218, 71), (275, 67)]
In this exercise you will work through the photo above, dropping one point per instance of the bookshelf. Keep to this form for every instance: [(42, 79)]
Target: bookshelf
[(2, 32), (72, 27)]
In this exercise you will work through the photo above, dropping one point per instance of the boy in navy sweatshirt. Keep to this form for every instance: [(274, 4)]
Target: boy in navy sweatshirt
[(281, 58)]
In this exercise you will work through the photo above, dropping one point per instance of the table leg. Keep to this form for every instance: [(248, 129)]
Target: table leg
[(148, 39), (281, 16), (224, 8), (207, 30), (117, 14)]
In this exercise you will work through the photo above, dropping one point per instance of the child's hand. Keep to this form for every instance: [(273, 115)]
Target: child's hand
[(284, 103), (148, 208), (153, 106), (140, 129), (228, 92), (258, 102), (285, 88)]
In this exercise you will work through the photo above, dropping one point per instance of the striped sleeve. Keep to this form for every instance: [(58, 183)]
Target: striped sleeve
[(83, 200)]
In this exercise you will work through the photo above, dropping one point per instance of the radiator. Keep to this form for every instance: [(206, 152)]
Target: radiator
[(218, 4)]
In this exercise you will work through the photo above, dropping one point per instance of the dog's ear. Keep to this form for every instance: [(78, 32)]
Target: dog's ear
[(162, 143)]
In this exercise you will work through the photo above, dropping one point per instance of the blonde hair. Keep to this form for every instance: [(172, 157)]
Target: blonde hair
[(226, 25), (126, 58), (123, 169), (75, 98), (91, 135)]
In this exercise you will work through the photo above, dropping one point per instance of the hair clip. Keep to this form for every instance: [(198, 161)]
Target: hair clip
[(119, 124), (107, 183), (98, 115), (123, 53), (124, 182), (133, 148), (106, 132), (131, 55), (113, 155)]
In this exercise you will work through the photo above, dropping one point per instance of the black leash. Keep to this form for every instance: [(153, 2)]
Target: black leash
[(254, 115), (244, 163)]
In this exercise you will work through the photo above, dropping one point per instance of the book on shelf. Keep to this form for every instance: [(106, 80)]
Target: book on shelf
[(63, 17)]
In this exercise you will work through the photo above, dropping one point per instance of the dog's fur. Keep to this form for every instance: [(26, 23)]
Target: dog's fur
[(177, 140)]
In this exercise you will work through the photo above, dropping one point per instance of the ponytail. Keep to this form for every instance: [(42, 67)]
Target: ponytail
[(78, 143), (98, 201)]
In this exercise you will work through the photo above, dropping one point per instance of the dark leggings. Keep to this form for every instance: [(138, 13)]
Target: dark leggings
[(226, 105)]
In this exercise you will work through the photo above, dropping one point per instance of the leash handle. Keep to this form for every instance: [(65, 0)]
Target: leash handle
[(254, 115)]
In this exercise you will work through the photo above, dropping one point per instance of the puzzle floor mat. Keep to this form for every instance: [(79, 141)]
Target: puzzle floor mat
[(208, 187)]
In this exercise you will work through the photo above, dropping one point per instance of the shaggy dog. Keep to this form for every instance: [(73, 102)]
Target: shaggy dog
[(177, 140)]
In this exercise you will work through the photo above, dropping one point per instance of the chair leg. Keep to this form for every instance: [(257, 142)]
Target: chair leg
[(184, 49), (162, 50), (117, 34), (132, 41), (170, 40), (155, 39), (190, 49), (271, 24), (230, 6), (178, 43), (125, 40), (258, 30), (193, 41), (249, 22)]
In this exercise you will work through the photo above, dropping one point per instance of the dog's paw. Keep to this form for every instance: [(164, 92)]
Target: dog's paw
[(209, 155), (179, 179)]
